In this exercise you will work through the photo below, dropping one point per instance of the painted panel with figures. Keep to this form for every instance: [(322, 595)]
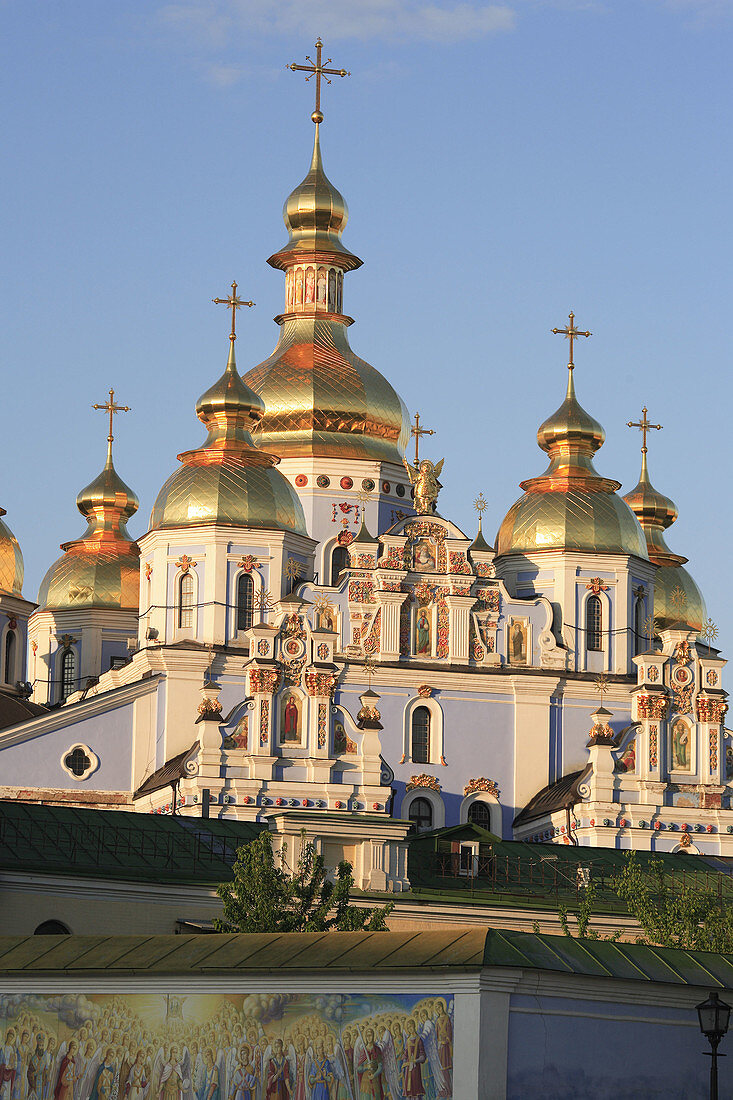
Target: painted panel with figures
[(255, 1046)]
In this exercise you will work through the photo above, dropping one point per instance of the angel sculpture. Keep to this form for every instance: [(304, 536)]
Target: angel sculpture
[(424, 477)]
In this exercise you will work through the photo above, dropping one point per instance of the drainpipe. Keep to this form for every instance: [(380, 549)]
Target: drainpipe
[(573, 838)]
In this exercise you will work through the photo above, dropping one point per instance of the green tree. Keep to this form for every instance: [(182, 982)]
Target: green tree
[(583, 916), (265, 895), (673, 913)]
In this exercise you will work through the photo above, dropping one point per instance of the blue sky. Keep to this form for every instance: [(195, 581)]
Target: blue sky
[(503, 163)]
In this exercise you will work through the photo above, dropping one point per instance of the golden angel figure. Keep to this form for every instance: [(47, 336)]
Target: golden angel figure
[(424, 477)]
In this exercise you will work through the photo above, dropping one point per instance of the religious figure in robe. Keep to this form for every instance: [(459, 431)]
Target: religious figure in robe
[(423, 556), (39, 1069), (137, 1080), (105, 1079), (321, 1075), (299, 287), (413, 1059), (64, 1089), (518, 643), (332, 291), (290, 720), (370, 1069), (422, 632), (171, 1079), (243, 1085), (277, 1074), (8, 1065), (681, 746), (321, 286), (444, 1038), (310, 284), (424, 478)]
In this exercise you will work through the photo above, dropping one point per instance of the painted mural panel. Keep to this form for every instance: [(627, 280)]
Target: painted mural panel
[(255, 1046)]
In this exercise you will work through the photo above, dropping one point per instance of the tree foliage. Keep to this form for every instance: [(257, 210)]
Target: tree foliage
[(265, 895), (670, 912)]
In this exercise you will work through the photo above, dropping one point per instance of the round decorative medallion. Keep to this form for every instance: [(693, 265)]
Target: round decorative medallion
[(386, 486), (682, 675), (293, 648), (346, 483), (400, 490), (301, 480), (345, 538), (367, 485), (322, 481)]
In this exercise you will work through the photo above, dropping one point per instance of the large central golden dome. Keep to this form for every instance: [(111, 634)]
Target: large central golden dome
[(570, 506), (320, 398)]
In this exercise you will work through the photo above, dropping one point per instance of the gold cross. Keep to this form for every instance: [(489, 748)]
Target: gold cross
[(572, 333), (234, 304), (318, 69), (417, 431), (645, 425), (111, 408)]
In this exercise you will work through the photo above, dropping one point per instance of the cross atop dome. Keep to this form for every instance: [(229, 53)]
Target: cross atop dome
[(645, 425), (571, 333), (111, 408), (234, 303), (318, 69)]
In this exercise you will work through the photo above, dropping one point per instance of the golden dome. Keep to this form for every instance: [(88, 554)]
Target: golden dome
[(315, 215), (11, 561), (570, 506), (320, 398), (102, 568), (677, 599), (227, 480)]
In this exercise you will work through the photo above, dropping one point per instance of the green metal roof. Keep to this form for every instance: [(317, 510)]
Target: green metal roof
[(464, 949), (119, 844)]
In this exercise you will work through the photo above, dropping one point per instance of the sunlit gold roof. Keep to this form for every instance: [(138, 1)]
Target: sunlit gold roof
[(11, 561), (102, 568), (677, 599), (570, 506), (320, 398), (227, 480)]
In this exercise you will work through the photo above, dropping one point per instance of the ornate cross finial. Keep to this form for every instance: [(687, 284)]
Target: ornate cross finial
[(111, 408), (601, 685), (370, 670), (645, 425), (234, 304), (480, 504), (572, 333), (417, 431), (709, 632), (318, 69)]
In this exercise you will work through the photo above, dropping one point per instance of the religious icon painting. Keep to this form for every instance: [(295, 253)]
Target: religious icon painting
[(680, 746), (423, 633), (332, 291), (291, 721), (424, 556), (517, 633), (299, 287), (325, 619), (321, 287), (310, 284)]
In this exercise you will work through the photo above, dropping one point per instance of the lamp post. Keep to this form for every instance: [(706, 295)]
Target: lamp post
[(714, 1015)]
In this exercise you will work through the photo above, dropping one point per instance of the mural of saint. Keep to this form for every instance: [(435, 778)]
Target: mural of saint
[(310, 284), (627, 762), (290, 724), (332, 291), (681, 746), (277, 1074), (325, 619), (340, 293), (413, 1060), (321, 286), (422, 632), (423, 556), (299, 287), (370, 1068), (518, 642)]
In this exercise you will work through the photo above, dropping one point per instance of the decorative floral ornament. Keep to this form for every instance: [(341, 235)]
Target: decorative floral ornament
[(489, 786), (148, 570), (423, 780), (249, 562), (184, 563), (596, 585)]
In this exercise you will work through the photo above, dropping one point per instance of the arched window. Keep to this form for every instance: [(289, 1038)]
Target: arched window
[(68, 673), (245, 601), (185, 601), (420, 736), (639, 625), (420, 814), (9, 657), (52, 928), (593, 622), (339, 562), (480, 814)]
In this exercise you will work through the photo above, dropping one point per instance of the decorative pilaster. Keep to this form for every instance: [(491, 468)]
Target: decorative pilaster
[(459, 611), (263, 684), (651, 712), (389, 641)]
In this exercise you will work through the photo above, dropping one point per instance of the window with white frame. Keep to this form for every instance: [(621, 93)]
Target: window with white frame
[(420, 814), (420, 735), (594, 623), (185, 601), (245, 601)]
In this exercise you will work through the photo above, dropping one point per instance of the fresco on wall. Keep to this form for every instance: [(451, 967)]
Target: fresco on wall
[(255, 1046)]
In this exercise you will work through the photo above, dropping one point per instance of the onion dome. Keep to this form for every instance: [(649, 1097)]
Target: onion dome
[(102, 568), (320, 398), (677, 599), (227, 480), (11, 561), (570, 506)]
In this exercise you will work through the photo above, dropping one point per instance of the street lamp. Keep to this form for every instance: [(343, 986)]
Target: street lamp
[(714, 1015)]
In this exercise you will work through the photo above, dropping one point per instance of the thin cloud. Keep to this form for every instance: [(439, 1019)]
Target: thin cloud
[(215, 22)]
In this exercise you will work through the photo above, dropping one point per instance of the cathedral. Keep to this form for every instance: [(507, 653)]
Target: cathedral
[(302, 637)]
